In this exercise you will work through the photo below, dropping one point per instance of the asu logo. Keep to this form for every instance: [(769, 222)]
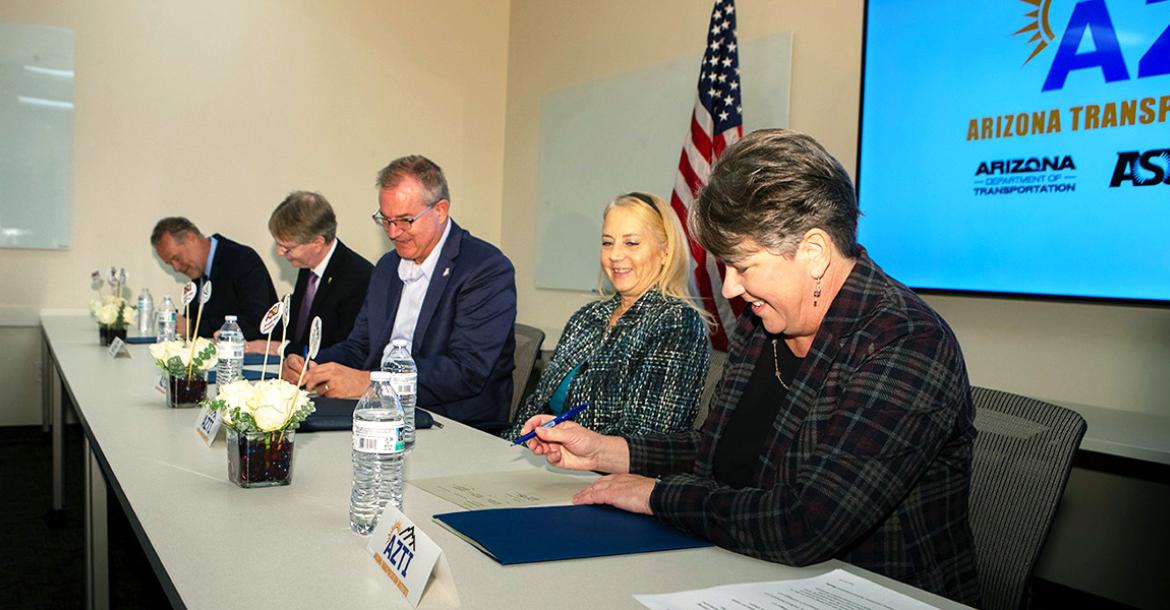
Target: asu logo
[(1090, 19), (1149, 168)]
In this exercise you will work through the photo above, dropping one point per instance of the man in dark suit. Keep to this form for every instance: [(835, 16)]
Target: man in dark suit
[(240, 282), (332, 280), (450, 295)]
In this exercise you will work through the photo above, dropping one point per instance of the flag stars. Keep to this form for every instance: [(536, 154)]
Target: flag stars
[(712, 91), (723, 116), (727, 64), (732, 47), (715, 45), (722, 78), (734, 85)]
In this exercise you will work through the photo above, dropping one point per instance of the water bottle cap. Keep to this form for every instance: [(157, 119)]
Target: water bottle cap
[(229, 318), (400, 343), (380, 376)]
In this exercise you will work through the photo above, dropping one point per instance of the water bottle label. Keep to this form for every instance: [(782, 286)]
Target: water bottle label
[(404, 384), (227, 350), (378, 437)]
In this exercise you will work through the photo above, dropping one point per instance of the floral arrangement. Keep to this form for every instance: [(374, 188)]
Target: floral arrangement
[(176, 358), (262, 407), (113, 311)]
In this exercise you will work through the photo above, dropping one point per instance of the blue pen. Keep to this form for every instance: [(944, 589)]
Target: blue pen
[(566, 415)]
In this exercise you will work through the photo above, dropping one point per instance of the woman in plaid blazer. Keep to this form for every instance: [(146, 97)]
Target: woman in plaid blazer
[(638, 358), (842, 426)]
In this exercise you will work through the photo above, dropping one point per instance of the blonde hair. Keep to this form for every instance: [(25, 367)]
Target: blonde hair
[(663, 225)]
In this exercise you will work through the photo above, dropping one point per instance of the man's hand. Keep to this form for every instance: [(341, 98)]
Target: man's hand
[(292, 368), (628, 492), (333, 380), (257, 346)]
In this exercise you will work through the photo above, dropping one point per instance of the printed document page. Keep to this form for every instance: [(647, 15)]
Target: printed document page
[(535, 487), (837, 590)]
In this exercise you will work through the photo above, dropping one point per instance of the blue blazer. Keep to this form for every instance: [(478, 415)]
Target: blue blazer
[(464, 341)]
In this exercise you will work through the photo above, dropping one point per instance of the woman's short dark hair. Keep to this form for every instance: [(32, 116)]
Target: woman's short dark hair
[(773, 186)]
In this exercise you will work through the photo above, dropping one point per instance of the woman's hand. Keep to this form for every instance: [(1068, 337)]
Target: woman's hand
[(629, 492), (574, 447)]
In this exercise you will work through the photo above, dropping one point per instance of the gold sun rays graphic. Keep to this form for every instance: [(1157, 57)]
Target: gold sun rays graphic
[(1039, 25)]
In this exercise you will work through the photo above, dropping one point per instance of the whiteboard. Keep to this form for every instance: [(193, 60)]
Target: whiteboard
[(625, 134), (36, 135)]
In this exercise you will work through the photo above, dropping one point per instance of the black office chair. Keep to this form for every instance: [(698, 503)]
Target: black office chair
[(714, 373), (528, 342), (1022, 458)]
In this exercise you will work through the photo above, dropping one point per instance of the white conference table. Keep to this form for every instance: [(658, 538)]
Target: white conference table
[(215, 545)]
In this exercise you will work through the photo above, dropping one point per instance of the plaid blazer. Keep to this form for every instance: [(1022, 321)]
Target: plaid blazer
[(645, 376), (868, 459)]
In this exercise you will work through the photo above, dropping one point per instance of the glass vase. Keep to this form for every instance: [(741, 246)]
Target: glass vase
[(184, 393), (106, 334), (260, 459)]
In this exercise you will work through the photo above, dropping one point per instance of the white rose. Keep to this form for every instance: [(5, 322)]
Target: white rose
[(269, 418), (274, 401), (237, 394)]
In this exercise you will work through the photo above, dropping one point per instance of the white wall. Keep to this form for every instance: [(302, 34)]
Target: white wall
[(217, 109)]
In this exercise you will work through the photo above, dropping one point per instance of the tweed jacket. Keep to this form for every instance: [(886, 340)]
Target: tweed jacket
[(868, 459), (645, 376)]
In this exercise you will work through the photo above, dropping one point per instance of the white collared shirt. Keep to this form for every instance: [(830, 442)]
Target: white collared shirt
[(320, 268), (416, 279)]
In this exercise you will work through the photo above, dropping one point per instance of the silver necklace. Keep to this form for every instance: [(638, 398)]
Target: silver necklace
[(776, 363)]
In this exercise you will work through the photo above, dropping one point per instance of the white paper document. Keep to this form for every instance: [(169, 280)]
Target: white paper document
[(533, 487), (837, 590)]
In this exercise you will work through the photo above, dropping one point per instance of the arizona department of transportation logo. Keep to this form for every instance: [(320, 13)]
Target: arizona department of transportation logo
[(1026, 176)]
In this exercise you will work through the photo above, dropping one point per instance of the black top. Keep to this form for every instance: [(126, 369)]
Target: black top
[(738, 453), (339, 297), (240, 286)]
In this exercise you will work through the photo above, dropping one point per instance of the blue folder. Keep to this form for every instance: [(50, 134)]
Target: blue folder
[(551, 533)]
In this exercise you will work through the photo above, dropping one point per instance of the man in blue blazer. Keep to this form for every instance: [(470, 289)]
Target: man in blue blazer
[(240, 284), (450, 295)]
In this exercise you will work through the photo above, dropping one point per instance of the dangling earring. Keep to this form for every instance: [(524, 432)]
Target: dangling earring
[(817, 292)]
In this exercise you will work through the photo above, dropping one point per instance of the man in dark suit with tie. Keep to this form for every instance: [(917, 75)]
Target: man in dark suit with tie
[(450, 295), (240, 282), (332, 280)]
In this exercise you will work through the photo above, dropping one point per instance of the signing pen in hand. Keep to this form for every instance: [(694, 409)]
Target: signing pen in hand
[(566, 415)]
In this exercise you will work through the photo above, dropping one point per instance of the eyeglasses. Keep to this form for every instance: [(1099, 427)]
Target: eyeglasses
[(403, 224), (282, 249)]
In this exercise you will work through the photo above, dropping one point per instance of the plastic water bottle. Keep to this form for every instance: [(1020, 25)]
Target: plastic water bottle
[(145, 312), (167, 317), (379, 454), (229, 348), (396, 360)]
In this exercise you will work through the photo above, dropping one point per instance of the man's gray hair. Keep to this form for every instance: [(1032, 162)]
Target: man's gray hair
[(428, 174)]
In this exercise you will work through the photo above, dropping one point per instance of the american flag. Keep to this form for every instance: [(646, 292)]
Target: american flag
[(716, 123)]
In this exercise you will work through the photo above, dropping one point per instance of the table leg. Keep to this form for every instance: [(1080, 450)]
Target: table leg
[(46, 363), (57, 415), (97, 574)]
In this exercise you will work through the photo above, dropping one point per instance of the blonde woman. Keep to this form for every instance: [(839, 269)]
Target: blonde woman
[(639, 356)]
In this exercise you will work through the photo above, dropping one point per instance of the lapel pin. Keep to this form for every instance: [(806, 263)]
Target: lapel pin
[(446, 271)]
